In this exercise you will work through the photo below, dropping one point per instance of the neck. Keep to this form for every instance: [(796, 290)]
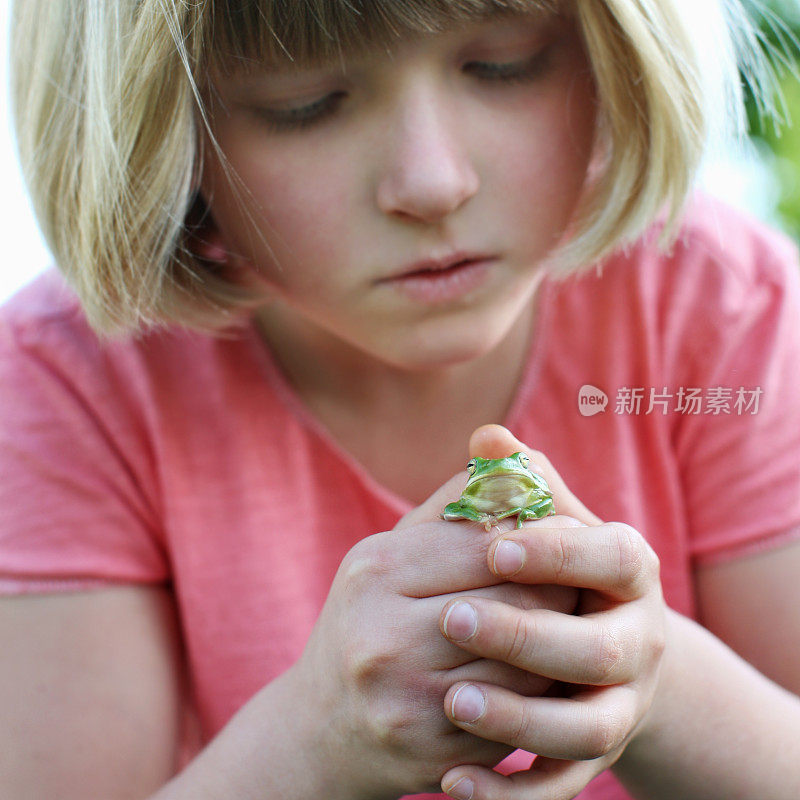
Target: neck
[(408, 428), (328, 371)]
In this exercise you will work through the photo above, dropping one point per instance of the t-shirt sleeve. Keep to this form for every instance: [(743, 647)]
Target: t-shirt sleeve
[(740, 450), (76, 501)]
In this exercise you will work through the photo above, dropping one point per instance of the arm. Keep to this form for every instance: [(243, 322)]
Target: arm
[(90, 692)]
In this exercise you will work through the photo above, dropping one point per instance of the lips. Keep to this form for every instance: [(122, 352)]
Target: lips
[(437, 265), (440, 281)]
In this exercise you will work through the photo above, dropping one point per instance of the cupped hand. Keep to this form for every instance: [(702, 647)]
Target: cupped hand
[(376, 668), (606, 655)]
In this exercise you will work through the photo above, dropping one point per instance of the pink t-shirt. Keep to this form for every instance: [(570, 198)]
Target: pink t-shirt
[(184, 459)]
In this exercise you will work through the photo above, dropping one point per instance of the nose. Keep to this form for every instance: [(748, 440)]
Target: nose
[(427, 173)]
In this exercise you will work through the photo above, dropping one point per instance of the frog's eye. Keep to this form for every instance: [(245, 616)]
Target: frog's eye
[(523, 459), (471, 467)]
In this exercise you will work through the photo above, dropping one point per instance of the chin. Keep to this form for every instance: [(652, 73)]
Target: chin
[(432, 350)]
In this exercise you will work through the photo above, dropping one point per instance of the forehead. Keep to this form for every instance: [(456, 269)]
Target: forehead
[(276, 34)]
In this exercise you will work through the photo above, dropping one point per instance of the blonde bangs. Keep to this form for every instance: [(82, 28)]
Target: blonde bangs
[(241, 32)]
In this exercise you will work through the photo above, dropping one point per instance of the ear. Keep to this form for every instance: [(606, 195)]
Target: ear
[(203, 236)]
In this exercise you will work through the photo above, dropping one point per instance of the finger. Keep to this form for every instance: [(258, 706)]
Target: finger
[(612, 558), (495, 441), (547, 779), (482, 670), (431, 509), (426, 560), (522, 596), (598, 650), (425, 615), (429, 559), (589, 725)]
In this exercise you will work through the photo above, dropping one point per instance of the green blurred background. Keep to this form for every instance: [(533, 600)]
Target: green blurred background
[(779, 144)]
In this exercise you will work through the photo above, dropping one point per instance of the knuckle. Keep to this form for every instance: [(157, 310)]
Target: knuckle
[(566, 555), (607, 656), (365, 664), (658, 642), (607, 732), (392, 725), (521, 727), (367, 563), (631, 554), (652, 563), (518, 644)]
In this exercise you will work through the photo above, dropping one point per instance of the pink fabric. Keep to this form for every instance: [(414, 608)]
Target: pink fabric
[(184, 459)]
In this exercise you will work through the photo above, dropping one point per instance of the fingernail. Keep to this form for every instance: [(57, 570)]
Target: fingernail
[(468, 704), (508, 558), (461, 622), (461, 790)]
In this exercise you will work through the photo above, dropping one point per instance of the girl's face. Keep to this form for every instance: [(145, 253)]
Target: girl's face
[(469, 144)]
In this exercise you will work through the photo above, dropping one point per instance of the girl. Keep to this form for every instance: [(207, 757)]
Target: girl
[(311, 247)]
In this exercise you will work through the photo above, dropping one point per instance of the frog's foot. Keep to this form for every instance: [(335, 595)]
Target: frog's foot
[(455, 511), (544, 508)]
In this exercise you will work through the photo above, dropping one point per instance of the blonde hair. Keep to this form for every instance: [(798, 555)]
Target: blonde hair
[(108, 109)]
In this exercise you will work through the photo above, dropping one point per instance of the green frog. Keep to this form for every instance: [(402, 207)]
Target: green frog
[(501, 487)]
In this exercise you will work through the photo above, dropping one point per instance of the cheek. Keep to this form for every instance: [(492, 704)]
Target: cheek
[(286, 212), (547, 158), (301, 214)]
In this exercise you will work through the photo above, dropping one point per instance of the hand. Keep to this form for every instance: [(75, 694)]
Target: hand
[(376, 668), (607, 655)]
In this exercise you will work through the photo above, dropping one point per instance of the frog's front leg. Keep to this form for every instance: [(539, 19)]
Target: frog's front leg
[(544, 508), (453, 511)]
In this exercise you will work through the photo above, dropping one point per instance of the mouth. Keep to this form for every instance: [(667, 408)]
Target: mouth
[(437, 266), (441, 280), (499, 477)]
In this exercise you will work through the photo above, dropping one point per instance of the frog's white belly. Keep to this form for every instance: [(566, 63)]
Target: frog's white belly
[(499, 494)]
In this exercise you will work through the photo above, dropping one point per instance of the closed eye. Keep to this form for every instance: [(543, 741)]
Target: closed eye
[(295, 117), (512, 71)]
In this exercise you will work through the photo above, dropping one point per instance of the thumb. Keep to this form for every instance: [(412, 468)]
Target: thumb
[(495, 441), (431, 509)]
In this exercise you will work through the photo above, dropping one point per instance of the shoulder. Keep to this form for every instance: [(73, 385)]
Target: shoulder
[(46, 300), (723, 266), (727, 243), (727, 283), (722, 257), (43, 331), (49, 352), (45, 321)]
